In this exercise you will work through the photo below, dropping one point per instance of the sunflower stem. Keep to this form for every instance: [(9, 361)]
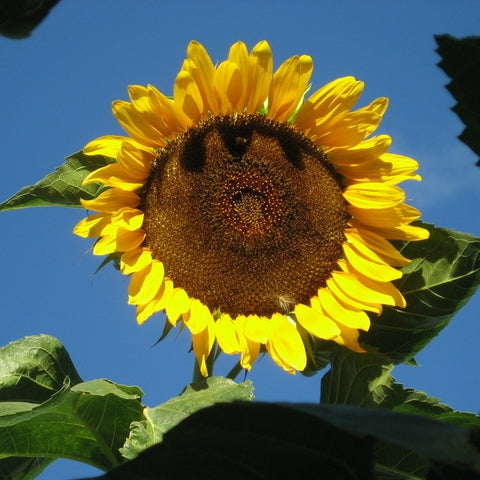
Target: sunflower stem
[(233, 373)]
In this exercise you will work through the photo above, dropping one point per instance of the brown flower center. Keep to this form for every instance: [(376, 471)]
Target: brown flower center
[(246, 214)]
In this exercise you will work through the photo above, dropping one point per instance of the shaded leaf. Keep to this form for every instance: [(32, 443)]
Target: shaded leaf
[(62, 187), (444, 274), (253, 441), (162, 418), (461, 62), (19, 17), (33, 368), (268, 441), (18, 468), (365, 380)]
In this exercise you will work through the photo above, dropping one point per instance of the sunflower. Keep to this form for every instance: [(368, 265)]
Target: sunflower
[(251, 215)]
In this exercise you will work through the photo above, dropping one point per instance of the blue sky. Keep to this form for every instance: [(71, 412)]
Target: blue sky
[(57, 87)]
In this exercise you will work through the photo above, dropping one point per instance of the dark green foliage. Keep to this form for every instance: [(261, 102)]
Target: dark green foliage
[(461, 62), (18, 18)]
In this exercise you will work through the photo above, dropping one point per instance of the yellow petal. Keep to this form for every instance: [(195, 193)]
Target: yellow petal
[(187, 96), (383, 248), (403, 232), (285, 344), (137, 162), (226, 334), (288, 87), (114, 175), (135, 260), (202, 71), (202, 344), (119, 240), (340, 313), (112, 200), (315, 322), (145, 284), (93, 225), (136, 125), (238, 55), (353, 127), (197, 317), (146, 104), (373, 195), (175, 121), (228, 86), (107, 146), (357, 288), (156, 304), (345, 298), (328, 105), (128, 218), (386, 217), (349, 338), (259, 75), (257, 329), (365, 151), (199, 321), (391, 293), (177, 303), (387, 168), (249, 349), (368, 263)]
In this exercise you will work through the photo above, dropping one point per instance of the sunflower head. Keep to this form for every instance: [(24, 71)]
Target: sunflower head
[(253, 216)]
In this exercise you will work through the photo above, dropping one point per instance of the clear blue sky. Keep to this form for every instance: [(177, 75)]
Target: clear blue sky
[(57, 87)]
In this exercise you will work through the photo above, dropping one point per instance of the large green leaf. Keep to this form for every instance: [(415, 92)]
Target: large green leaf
[(62, 187), (259, 441), (365, 380), (47, 413), (34, 368), (162, 418), (88, 422), (31, 370), (461, 62), (444, 274)]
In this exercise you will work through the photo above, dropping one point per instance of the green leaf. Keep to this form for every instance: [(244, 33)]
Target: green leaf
[(361, 379), (364, 379), (256, 440), (17, 468), (19, 17), (33, 368), (444, 274), (88, 422), (62, 187), (252, 441), (196, 396), (461, 62)]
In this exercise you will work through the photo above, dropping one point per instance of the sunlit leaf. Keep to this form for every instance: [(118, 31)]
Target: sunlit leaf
[(88, 422), (444, 274), (461, 62), (63, 187), (159, 420), (47, 413), (34, 368)]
